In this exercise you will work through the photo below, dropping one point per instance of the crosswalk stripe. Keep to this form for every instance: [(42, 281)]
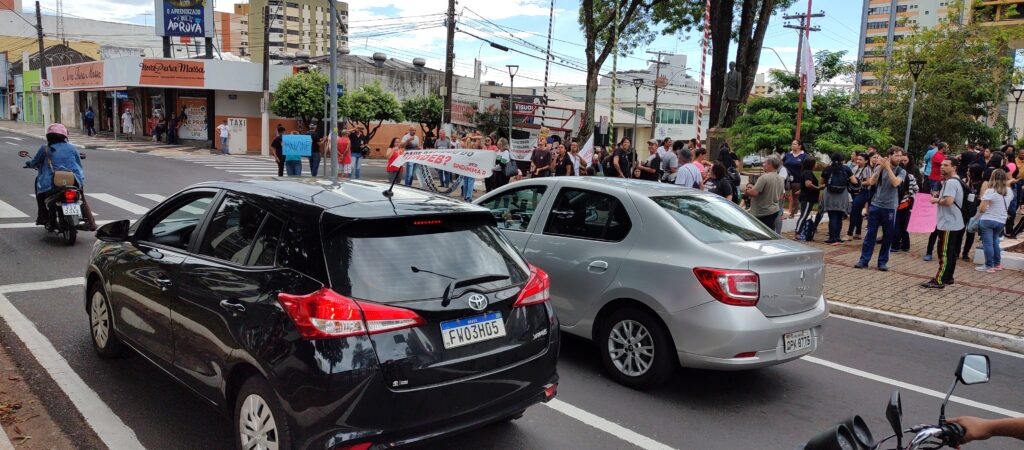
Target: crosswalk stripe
[(120, 203), (9, 212), (154, 197)]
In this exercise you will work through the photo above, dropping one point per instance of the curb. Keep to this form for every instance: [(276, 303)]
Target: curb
[(978, 336), (95, 146)]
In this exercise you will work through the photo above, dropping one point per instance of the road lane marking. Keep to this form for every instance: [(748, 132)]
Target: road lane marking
[(108, 427), (9, 212), (12, 144), (154, 197), (33, 225), (123, 204), (607, 426), (931, 336), (5, 442), (912, 387), (41, 285)]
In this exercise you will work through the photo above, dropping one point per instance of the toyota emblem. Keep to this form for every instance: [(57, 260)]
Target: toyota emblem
[(477, 302)]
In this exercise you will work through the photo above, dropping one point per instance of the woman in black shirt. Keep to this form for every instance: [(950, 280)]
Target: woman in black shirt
[(718, 182), (809, 190), (563, 166)]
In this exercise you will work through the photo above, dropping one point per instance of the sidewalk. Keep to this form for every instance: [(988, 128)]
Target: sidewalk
[(105, 141), (990, 304)]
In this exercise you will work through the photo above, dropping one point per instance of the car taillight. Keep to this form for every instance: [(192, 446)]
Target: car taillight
[(327, 314), (70, 196), (537, 289), (732, 287)]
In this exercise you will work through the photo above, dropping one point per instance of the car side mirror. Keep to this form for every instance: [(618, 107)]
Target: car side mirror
[(114, 231), (894, 413), (973, 369)]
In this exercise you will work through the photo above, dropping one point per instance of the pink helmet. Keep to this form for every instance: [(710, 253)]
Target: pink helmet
[(58, 129)]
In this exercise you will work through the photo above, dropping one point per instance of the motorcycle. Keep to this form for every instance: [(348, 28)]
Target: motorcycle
[(63, 209), (853, 434)]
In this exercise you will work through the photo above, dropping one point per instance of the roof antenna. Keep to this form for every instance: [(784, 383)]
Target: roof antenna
[(389, 193)]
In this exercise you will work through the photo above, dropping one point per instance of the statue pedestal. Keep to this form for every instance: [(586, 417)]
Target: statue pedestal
[(716, 137)]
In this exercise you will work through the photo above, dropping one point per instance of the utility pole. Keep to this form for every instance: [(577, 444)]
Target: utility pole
[(45, 96), (265, 103), (805, 33), (804, 28), (333, 88), (657, 76), (449, 66)]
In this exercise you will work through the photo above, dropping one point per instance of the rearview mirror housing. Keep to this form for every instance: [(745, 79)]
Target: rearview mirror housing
[(894, 414), (973, 369), (114, 231)]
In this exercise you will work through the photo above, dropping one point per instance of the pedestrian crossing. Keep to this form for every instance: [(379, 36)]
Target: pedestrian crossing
[(20, 212), (250, 165)]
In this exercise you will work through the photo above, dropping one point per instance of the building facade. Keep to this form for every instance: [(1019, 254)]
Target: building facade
[(297, 27)]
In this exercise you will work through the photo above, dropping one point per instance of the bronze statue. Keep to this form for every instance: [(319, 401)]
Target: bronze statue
[(730, 97)]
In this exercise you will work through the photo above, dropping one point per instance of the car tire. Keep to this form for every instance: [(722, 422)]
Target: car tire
[(257, 403), (644, 354), (101, 325)]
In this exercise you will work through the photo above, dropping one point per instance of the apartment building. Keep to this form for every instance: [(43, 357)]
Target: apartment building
[(297, 27), (885, 23)]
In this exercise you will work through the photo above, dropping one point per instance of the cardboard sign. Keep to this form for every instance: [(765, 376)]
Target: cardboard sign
[(470, 163), (923, 216), (296, 145), (522, 149)]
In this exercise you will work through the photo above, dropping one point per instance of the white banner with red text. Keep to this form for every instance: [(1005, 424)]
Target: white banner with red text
[(470, 163)]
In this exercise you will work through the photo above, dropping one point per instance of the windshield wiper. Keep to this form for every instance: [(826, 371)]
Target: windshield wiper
[(456, 283)]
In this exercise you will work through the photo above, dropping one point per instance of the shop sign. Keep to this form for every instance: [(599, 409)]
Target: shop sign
[(165, 72), (78, 75), (189, 18)]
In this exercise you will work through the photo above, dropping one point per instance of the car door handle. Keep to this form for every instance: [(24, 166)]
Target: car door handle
[(598, 267), (164, 282), (154, 253), (233, 306)]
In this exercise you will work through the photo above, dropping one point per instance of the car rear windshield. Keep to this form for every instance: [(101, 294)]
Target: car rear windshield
[(713, 219), (375, 260)]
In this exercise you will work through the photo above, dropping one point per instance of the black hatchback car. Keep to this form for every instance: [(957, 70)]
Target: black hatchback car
[(327, 314)]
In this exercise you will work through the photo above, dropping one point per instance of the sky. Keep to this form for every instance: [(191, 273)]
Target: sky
[(406, 29)]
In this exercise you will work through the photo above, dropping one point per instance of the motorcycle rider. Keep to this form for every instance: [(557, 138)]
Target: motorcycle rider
[(65, 157)]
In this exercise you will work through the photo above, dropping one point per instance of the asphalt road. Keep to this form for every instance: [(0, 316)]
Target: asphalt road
[(853, 372)]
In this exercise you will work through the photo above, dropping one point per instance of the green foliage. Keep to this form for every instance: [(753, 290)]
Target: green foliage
[(492, 120), (369, 104), (832, 125), (425, 110), (635, 14), (300, 96), (967, 71), (828, 65)]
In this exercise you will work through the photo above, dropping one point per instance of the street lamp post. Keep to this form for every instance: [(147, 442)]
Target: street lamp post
[(512, 71), (637, 83), (915, 69), (1017, 92)]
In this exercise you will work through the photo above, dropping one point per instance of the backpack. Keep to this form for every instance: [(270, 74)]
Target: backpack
[(807, 230), (838, 184), (967, 208)]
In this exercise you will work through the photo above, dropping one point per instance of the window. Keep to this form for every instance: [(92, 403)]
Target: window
[(293, 5), (877, 25), (264, 249), (375, 260), (588, 215), (293, 45), (712, 219), (293, 19), (871, 82), (675, 116), (293, 32), (641, 112), (232, 230), (879, 10), (514, 210), (175, 228)]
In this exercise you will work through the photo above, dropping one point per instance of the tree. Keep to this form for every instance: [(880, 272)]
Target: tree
[(832, 125), (369, 104), (426, 110), (492, 120), (828, 66), (300, 96), (967, 72), (685, 16), (605, 23)]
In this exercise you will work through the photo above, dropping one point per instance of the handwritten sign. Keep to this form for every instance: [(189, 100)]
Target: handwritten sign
[(522, 149), (296, 145), (470, 163)]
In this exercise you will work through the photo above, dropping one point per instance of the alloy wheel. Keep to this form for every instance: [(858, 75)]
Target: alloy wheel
[(100, 318), (631, 348), (256, 425)]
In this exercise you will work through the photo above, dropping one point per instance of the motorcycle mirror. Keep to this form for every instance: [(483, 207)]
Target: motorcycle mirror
[(894, 413), (973, 369), (23, 154), (81, 155), (114, 231), (860, 431), (836, 438)]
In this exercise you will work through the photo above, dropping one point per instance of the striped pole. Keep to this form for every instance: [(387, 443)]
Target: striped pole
[(547, 63), (615, 65), (703, 66)]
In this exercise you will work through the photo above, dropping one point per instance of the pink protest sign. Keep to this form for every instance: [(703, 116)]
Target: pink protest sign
[(922, 218)]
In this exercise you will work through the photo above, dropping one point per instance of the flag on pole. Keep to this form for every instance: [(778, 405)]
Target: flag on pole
[(808, 74)]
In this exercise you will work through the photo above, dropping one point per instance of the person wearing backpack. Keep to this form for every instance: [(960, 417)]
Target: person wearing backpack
[(882, 209), (910, 187), (949, 221), (808, 197), (972, 198), (837, 178)]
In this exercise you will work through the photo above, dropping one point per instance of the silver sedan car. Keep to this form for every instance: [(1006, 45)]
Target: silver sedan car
[(660, 275)]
